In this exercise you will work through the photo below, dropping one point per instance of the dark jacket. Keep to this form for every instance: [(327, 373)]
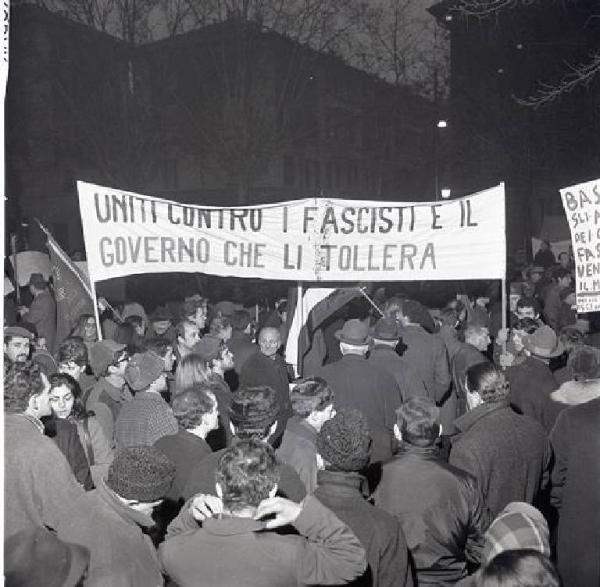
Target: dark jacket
[(64, 433), (185, 450), (387, 359), (358, 385), (238, 551), (42, 314), (202, 479), (298, 450), (121, 554), (260, 370), (531, 382), (242, 347), (379, 532), (464, 358), (506, 452), (576, 493), (427, 353), (441, 510)]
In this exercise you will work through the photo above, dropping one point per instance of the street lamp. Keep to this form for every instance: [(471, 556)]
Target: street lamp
[(446, 193), (442, 123)]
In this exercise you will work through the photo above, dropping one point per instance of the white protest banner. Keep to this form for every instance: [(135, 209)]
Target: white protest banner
[(29, 262), (582, 207), (313, 239)]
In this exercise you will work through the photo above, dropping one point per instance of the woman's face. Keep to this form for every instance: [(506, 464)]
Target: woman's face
[(61, 401), (89, 330)]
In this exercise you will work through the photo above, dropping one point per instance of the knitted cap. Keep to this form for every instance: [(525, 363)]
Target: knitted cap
[(519, 525), (102, 354), (345, 442), (254, 408), (143, 369), (142, 473)]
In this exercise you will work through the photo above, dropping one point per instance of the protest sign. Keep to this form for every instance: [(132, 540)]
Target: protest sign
[(582, 207), (313, 239), (29, 262)]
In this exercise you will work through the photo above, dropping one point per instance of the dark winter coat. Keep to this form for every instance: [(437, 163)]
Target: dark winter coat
[(441, 510), (575, 492), (531, 382), (298, 450), (230, 551), (380, 533), (358, 385), (506, 452)]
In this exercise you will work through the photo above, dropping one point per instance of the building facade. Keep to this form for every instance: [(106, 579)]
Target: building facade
[(224, 115)]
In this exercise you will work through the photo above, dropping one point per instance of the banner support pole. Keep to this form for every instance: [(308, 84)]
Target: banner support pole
[(96, 313)]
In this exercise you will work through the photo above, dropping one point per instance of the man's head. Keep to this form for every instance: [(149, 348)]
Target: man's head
[(214, 353), (141, 476), (108, 357), (386, 332), (17, 341), (562, 277), (418, 422), (188, 334), (161, 320), (478, 336), (545, 245), (269, 341), (485, 383), (37, 284), (353, 337), (138, 323), (254, 412), (146, 372), (72, 357), (527, 308), (194, 310), (393, 308), (536, 273), (241, 320), (247, 473), (344, 442), (26, 390), (195, 410), (220, 327), (563, 260), (312, 400), (164, 349)]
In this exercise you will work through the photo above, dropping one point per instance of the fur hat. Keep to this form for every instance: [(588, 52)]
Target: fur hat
[(345, 442), (143, 369), (142, 473), (353, 332), (102, 354), (36, 556), (254, 408)]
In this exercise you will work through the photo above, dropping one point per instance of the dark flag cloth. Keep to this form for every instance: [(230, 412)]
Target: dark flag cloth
[(71, 290), (317, 310)]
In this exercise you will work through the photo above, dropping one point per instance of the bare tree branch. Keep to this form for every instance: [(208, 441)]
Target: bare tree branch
[(579, 75)]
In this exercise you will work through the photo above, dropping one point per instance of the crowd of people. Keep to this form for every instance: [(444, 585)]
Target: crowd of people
[(420, 447)]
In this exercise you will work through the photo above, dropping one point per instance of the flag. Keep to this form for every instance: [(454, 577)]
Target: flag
[(71, 290), (318, 304)]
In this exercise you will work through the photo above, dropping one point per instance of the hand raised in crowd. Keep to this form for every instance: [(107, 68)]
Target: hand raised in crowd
[(205, 506), (285, 511)]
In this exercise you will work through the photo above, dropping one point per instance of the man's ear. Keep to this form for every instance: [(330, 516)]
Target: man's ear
[(441, 430), (397, 433), (232, 427), (219, 490), (273, 491)]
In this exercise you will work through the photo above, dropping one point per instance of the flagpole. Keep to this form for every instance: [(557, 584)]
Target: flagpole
[(96, 313), (366, 295)]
